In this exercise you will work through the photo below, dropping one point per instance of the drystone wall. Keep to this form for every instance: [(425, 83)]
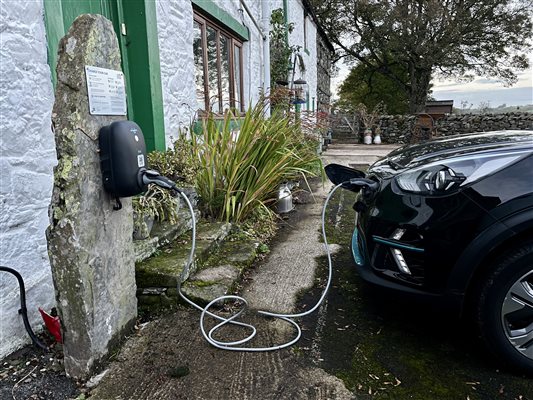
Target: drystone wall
[(399, 128)]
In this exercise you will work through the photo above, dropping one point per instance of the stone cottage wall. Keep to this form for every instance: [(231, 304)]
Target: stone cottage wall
[(27, 159), (177, 65), (295, 14)]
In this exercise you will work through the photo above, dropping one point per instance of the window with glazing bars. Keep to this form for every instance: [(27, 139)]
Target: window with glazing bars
[(218, 67)]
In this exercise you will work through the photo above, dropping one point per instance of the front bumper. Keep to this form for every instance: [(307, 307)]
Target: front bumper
[(369, 274), (411, 243)]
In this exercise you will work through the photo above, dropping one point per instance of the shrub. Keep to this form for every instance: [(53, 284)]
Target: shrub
[(177, 163), (241, 171)]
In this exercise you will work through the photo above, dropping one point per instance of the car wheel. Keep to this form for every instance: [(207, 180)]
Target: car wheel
[(505, 308)]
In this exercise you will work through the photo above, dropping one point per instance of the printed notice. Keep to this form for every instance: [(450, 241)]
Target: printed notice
[(107, 93)]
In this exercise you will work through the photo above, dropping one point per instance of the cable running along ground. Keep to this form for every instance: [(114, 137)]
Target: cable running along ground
[(236, 345)]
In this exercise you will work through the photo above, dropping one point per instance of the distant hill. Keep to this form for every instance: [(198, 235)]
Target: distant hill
[(494, 110)]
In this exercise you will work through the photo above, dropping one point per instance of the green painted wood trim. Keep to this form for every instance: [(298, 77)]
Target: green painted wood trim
[(140, 55), (117, 21), (210, 8), (55, 30), (155, 75)]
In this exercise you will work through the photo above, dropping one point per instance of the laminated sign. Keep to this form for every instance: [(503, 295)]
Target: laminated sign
[(106, 90)]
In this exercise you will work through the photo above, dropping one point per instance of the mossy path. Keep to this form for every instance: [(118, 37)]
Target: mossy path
[(384, 346)]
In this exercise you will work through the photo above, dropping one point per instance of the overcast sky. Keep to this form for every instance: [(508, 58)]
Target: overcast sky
[(479, 90)]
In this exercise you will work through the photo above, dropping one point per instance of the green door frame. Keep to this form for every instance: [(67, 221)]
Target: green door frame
[(140, 61)]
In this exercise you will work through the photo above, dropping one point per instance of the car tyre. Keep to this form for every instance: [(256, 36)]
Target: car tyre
[(504, 308)]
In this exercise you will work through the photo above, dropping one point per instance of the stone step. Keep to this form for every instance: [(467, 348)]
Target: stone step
[(162, 234), (219, 275), (161, 272), (347, 133), (347, 140)]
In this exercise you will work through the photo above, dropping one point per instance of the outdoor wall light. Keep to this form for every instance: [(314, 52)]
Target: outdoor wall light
[(299, 91)]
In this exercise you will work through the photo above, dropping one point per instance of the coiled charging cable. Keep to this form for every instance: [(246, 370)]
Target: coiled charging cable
[(235, 345)]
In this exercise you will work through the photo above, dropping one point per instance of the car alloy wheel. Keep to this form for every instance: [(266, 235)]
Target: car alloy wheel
[(517, 314)]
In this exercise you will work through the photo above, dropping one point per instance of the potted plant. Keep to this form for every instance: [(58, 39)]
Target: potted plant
[(369, 119)]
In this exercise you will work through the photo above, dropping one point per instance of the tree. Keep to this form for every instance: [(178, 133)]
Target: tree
[(366, 85), (427, 38)]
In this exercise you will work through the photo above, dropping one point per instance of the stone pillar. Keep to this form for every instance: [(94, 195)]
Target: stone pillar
[(89, 244)]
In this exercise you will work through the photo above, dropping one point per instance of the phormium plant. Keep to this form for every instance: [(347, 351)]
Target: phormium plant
[(241, 171)]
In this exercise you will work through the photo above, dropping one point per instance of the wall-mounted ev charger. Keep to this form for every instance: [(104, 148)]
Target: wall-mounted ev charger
[(122, 158), (125, 173), (124, 162)]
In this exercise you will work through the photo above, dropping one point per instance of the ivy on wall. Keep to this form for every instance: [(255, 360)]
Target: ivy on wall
[(280, 51)]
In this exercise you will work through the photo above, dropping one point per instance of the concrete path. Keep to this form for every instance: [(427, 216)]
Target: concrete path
[(169, 359), (290, 268), (356, 155)]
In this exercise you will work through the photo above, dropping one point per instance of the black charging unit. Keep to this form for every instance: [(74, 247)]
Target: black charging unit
[(123, 159), (124, 163)]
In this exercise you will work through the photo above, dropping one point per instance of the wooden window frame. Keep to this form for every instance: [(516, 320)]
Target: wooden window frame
[(236, 104)]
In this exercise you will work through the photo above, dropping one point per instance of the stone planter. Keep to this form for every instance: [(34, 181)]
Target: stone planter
[(191, 194)]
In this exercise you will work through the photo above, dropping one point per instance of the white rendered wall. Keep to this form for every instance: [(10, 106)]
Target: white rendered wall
[(27, 159), (175, 35), (295, 15)]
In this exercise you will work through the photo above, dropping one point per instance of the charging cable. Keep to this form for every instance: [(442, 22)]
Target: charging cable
[(154, 177)]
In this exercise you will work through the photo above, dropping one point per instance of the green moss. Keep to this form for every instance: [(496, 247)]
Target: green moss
[(163, 270), (200, 284)]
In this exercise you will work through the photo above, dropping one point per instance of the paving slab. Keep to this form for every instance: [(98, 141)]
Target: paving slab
[(356, 154)]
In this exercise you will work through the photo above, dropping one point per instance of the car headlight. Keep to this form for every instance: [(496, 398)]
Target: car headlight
[(445, 176)]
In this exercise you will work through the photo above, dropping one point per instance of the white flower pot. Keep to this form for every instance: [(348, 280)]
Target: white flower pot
[(377, 139)]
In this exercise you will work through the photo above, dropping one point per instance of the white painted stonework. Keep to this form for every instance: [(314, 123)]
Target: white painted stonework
[(295, 15), (175, 36), (27, 159)]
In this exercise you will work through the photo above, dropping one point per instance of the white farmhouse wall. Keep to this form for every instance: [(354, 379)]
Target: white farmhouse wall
[(27, 159), (295, 15), (175, 35)]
